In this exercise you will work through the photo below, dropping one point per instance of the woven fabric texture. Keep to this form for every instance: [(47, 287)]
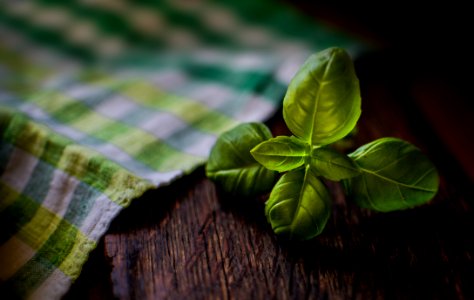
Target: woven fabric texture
[(103, 100)]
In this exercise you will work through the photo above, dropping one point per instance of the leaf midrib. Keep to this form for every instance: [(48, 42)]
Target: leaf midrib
[(396, 182), (318, 96), (300, 206)]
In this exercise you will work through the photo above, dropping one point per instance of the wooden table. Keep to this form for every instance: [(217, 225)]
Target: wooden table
[(191, 241)]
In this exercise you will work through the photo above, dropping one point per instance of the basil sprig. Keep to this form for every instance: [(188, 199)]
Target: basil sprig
[(321, 106)]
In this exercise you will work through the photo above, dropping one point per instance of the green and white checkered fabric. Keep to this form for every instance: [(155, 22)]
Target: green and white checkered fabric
[(103, 100)]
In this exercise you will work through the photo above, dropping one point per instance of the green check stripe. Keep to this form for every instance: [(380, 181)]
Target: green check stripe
[(19, 212), (38, 184), (9, 196), (126, 137), (107, 21), (192, 112), (59, 244), (118, 24), (81, 117), (138, 143), (81, 204), (32, 275), (113, 23), (108, 24), (36, 190), (46, 36), (139, 168), (239, 80), (288, 23), (16, 64), (20, 64), (192, 23), (5, 152), (37, 187), (93, 169)]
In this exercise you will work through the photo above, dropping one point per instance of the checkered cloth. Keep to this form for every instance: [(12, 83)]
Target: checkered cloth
[(103, 100)]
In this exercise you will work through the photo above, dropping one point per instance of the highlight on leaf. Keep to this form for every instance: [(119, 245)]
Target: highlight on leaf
[(282, 153), (322, 103)]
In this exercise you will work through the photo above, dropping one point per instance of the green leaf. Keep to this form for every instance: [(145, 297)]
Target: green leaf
[(282, 153), (322, 103), (395, 175), (299, 205), (333, 165), (231, 165)]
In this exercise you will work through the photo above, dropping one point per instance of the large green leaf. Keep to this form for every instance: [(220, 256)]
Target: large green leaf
[(282, 153), (322, 103), (299, 205), (231, 165), (394, 175), (333, 165)]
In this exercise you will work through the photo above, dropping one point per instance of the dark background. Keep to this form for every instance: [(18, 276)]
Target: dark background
[(423, 55), (413, 38)]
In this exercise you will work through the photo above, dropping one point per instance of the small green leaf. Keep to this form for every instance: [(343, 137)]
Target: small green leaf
[(333, 165), (231, 165), (322, 103), (282, 153), (395, 175), (299, 205)]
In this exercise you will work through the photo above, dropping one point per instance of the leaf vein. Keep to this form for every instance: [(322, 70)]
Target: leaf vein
[(398, 183), (404, 199), (393, 162), (337, 164), (369, 197), (424, 175)]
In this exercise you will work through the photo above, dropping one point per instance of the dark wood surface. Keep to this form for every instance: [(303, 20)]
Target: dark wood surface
[(191, 241)]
